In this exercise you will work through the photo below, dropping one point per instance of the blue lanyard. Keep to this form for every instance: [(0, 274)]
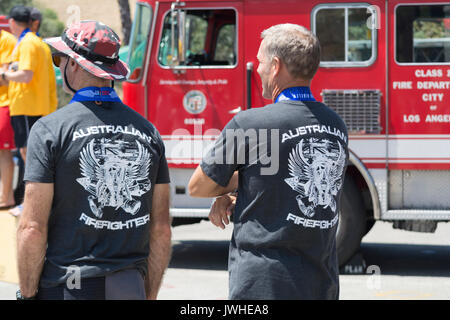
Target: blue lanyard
[(96, 94), (296, 94)]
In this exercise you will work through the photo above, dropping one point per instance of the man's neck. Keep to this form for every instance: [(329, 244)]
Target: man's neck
[(279, 88), (19, 31), (92, 83)]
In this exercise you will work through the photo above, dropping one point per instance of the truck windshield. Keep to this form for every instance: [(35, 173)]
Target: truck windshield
[(210, 39), (139, 39)]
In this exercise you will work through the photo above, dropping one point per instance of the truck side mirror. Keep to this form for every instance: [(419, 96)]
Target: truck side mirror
[(178, 30)]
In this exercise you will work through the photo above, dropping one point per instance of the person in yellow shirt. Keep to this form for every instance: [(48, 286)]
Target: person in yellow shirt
[(35, 25), (28, 78), (7, 44)]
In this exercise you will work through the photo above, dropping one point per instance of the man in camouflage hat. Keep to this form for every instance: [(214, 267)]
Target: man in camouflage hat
[(96, 219)]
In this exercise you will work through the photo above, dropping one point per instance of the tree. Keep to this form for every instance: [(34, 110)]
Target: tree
[(428, 28), (51, 26), (125, 18), (7, 5)]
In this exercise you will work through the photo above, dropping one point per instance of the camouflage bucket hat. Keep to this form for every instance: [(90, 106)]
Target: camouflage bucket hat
[(95, 47)]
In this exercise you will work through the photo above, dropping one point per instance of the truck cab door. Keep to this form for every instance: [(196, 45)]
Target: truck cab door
[(419, 108), (196, 84), (194, 93)]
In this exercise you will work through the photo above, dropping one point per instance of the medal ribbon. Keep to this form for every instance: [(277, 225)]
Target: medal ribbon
[(295, 94), (96, 94), (22, 35)]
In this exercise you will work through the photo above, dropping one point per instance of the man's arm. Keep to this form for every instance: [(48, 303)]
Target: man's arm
[(160, 239), (221, 209), (203, 186), (32, 235), (3, 68), (22, 76)]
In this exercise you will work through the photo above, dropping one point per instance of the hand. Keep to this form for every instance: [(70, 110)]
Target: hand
[(221, 209), (14, 66), (2, 82)]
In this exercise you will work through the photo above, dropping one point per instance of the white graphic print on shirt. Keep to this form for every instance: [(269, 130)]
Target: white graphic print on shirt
[(114, 172), (316, 167)]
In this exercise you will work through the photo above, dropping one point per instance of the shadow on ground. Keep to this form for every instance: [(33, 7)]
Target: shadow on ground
[(408, 259), (392, 259), (200, 254)]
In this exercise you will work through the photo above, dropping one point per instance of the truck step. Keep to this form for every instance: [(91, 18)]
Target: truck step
[(189, 212), (416, 215)]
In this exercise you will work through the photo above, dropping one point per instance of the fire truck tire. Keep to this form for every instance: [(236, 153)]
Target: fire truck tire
[(352, 222)]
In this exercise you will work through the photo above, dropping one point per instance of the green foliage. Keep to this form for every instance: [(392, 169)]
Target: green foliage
[(49, 14), (197, 33), (50, 26), (225, 44), (426, 29), (7, 5), (358, 32), (63, 97), (357, 24)]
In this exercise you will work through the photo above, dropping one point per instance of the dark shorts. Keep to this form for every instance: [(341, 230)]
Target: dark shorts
[(22, 126), (121, 285)]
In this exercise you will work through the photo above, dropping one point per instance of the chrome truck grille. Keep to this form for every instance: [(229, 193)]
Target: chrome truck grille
[(360, 109)]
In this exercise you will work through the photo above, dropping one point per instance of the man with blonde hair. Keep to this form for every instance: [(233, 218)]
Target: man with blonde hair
[(285, 221)]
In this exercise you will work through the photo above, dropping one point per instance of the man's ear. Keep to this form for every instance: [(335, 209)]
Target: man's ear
[(73, 65), (276, 65), (36, 25)]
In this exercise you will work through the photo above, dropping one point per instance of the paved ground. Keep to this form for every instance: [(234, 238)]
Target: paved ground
[(412, 265)]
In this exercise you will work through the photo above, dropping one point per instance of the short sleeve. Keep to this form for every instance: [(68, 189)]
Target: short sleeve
[(222, 160), (40, 166), (163, 168), (7, 44), (29, 56)]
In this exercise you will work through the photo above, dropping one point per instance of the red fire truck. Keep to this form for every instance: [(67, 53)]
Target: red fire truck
[(385, 69), (4, 25)]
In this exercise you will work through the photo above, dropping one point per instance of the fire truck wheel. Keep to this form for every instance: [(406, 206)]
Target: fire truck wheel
[(352, 222)]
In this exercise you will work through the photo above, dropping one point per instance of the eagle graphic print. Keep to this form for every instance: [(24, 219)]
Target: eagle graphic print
[(115, 173), (316, 167)]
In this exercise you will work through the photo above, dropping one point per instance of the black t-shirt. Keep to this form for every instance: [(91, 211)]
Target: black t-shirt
[(291, 157), (104, 162)]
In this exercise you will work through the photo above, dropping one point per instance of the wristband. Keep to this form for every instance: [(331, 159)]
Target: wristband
[(19, 296)]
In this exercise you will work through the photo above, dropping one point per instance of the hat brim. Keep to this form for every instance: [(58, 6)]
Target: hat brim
[(117, 72)]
